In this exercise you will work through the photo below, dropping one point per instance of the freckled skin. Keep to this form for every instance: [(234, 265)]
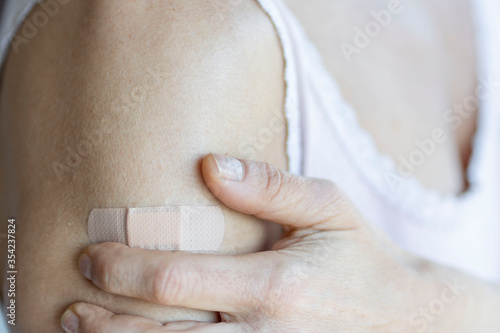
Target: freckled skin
[(113, 104)]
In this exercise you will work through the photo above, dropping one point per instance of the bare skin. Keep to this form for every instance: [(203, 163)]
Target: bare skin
[(402, 84), (331, 272), (78, 79), (141, 91)]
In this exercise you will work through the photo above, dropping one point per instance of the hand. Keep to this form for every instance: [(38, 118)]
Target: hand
[(330, 272)]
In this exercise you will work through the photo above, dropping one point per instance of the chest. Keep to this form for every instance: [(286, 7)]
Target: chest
[(403, 68)]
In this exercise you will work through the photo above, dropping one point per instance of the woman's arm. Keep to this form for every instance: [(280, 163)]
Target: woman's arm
[(332, 272), (113, 104)]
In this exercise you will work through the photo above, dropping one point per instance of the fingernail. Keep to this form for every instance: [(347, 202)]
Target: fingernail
[(229, 168), (70, 322), (85, 266)]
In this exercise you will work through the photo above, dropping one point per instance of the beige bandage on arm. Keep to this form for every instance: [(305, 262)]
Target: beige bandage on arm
[(171, 228)]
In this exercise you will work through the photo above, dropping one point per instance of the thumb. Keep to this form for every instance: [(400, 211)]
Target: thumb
[(260, 189)]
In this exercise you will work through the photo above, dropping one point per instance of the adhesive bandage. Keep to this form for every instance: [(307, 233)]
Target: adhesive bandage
[(172, 228)]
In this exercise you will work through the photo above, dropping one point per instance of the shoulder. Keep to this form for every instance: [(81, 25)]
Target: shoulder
[(150, 76)]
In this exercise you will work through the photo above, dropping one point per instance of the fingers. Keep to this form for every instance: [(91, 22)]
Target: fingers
[(83, 317), (263, 190), (200, 281), (88, 318)]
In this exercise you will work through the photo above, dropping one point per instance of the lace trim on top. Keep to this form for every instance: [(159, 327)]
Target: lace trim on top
[(425, 206)]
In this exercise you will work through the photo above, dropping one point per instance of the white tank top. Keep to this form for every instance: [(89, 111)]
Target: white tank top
[(326, 140)]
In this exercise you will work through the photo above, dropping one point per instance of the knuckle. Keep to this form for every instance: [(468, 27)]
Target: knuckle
[(276, 296), (273, 181), (286, 288), (289, 278), (107, 268), (169, 284), (89, 319)]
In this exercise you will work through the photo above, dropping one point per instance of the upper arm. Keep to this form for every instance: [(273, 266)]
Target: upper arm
[(113, 104)]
